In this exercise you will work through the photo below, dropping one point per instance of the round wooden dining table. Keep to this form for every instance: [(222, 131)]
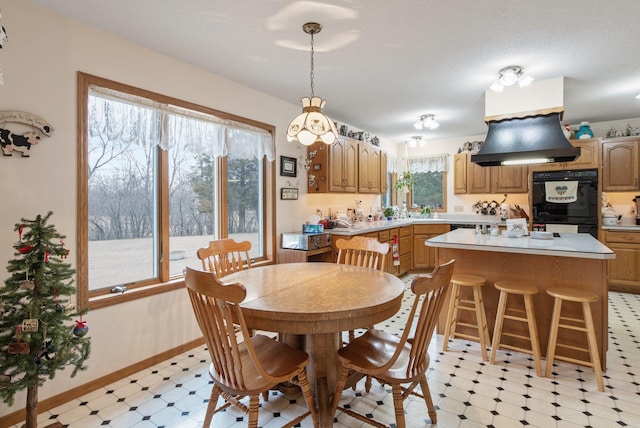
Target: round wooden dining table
[(310, 304)]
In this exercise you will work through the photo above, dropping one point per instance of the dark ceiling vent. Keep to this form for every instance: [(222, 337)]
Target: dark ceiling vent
[(531, 139)]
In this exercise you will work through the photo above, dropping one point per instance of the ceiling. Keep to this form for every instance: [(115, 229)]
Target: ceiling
[(380, 64)]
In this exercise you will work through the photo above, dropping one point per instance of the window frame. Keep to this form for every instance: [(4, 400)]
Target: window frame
[(93, 299)]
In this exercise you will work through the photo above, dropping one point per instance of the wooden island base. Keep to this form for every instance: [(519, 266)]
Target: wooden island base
[(544, 272)]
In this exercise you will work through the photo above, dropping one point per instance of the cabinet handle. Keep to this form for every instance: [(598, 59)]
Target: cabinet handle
[(628, 238)]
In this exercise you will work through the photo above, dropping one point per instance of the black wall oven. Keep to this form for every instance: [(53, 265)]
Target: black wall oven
[(566, 198)]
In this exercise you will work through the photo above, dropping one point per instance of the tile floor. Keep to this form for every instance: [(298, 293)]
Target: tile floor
[(467, 392)]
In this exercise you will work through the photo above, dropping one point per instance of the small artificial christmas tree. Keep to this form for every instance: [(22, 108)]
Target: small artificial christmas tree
[(37, 335)]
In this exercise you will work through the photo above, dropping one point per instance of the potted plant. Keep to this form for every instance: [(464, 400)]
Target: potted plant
[(388, 213), (405, 180)]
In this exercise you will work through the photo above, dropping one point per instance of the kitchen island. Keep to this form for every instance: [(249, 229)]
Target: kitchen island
[(575, 260)]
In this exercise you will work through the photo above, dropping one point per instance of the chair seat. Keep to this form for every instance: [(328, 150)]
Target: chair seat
[(516, 287), (270, 353), (468, 280), (364, 353), (572, 294)]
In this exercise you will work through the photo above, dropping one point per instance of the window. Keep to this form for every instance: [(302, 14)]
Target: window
[(429, 178), (160, 178), (428, 189)]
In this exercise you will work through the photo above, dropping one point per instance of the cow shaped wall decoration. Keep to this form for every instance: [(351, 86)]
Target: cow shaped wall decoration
[(11, 142)]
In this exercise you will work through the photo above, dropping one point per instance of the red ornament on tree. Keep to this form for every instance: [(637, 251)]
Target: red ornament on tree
[(81, 328)]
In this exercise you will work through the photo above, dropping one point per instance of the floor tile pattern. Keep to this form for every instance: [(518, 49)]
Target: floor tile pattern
[(467, 391)]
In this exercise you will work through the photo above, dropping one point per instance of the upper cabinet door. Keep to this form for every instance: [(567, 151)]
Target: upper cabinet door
[(478, 178), (460, 173), (350, 163), (509, 179), (620, 165), (369, 169)]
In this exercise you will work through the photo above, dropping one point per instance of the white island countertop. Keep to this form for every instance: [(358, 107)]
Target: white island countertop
[(579, 245)]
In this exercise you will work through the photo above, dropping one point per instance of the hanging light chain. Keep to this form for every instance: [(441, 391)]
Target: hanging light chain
[(311, 74)]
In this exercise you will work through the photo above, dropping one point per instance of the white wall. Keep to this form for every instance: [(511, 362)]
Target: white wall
[(39, 64)]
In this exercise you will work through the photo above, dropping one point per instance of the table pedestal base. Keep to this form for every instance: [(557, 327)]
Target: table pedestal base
[(322, 370)]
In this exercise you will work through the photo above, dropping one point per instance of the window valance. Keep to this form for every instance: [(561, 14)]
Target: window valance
[(136, 119), (431, 163)]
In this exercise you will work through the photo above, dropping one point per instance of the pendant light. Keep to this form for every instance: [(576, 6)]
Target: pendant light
[(311, 125)]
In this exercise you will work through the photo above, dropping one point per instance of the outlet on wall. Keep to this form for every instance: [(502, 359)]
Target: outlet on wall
[(458, 208)]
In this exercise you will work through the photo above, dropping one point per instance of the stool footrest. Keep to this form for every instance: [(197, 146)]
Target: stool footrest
[(574, 360), (516, 348), (464, 324), (573, 348), (464, 336), (517, 336), (515, 318)]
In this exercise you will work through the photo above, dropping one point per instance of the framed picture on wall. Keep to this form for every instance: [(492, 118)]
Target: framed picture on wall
[(289, 193), (288, 166)]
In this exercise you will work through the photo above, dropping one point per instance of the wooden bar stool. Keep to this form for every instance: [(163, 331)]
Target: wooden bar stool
[(515, 314), (476, 306), (585, 298)]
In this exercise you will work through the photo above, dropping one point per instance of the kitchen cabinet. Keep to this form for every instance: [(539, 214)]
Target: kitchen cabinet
[(478, 177), (624, 270), (384, 184), (620, 164), (509, 179), (405, 242), (333, 168), (460, 173), (589, 157), (425, 257), (346, 166), (496, 179), (343, 166), (368, 169)]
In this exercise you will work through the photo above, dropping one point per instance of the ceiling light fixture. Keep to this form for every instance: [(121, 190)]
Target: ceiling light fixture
[(509, 76), (311, 125), (426, 121), (415, 140)]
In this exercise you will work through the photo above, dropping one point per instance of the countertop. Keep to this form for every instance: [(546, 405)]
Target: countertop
[(579, 245), (358, 228), (625, 224)]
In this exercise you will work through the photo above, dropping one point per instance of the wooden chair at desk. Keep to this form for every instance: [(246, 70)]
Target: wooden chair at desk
[(247, 368), (225, 256), (362, 251), (398, 361)]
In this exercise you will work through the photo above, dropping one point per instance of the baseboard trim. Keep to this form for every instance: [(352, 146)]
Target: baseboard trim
[(79, 391)]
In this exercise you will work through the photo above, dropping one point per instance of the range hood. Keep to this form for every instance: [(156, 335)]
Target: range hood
[(524, 126), (533, 138)]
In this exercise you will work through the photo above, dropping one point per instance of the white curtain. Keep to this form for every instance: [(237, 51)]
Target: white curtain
[(137, 117), (431, 163), (392, 163)]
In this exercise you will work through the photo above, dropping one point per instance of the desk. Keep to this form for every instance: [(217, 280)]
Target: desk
[(310, 304)]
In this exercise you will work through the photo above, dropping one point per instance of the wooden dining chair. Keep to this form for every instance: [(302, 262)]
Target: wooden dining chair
[(244, 368), (398, 361), (362, 251), (225, 256)]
